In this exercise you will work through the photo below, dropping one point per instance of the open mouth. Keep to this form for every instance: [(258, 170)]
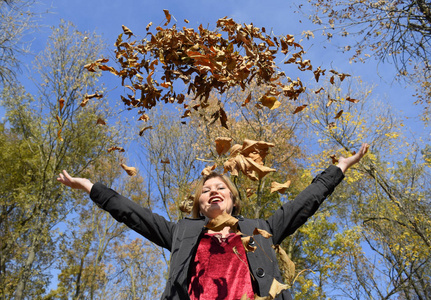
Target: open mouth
[(215, 200)]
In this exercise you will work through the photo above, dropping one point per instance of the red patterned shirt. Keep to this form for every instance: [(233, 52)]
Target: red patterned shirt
[(220, 269)]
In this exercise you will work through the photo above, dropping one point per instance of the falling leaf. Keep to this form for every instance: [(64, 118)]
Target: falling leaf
[(287, 265), (319, 90), (280, 187), (246, 243), (208, 170), (165, 161), (262, 232), (187, 21), (222, 145), (300, 108), (58, 120), (141, 132), (168, 16), (116, 148), (352, 100), (247, 100), (222, 221), (269, 101), (330, 101), (332, 125), (61, 102), (131, 171), (186, 205), (127, 31), (223, 118), (148, 26), (342, 76), (334, 159), (332, 79), (59, 135), (144, 117), (276, 288), (338, 115), (100, 122)]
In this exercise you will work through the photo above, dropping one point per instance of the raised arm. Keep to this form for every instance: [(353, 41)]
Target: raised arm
[(75, 182)]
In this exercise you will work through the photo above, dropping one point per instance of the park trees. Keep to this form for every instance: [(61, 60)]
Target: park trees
[(45, 131)]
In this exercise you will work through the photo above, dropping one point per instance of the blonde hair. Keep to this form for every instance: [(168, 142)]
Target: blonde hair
[(233, 191)]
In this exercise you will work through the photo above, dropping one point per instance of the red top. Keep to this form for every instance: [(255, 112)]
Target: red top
[(220, 269)]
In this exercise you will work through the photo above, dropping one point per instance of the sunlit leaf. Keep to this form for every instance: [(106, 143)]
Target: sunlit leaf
[(168, 16), (141, 132), (299, 108), (279, 187), (262, 232), (165, 161), (131, 171), (127, 31), (286, 265), (100, 121), (246, 243), (269, 101), (223, 144), (116, 148), (338, 115), (208, 170), (61, 102), (276, 288), (222, 221)]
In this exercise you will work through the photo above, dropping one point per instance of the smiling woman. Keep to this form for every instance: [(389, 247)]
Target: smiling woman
[(214, 264)]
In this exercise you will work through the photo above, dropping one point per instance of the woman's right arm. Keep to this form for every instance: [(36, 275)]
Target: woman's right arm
[(142, 220)]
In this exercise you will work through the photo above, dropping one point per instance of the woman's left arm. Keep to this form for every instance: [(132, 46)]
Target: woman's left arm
[(289, 217)]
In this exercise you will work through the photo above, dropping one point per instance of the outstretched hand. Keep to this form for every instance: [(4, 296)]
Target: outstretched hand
[(345, 163), (75, 182)]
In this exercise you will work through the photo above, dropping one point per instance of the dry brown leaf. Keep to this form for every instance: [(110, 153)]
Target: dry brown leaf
[(269, 101), (165, 161), (300, 108), (116, 148), (246, 243), (141, 132), (58, 120), (59, 135), (168, 16), (352, 100), (131, 171), (319, 90), (280, 187), (334, 158), (100, 121), (222, 221), (208, 170), (338, 115), (61, 102), (186, 205), (148, 26), (127, 31), (144, 117), (262, 232), (287, 265), (247, 100), (277, 288), (222, 145)]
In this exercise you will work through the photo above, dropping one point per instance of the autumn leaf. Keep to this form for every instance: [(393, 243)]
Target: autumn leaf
[(222, 145), (319, 90), (276, 288), (246, 243), (332, 125), (127, 31), (148, 26), (59, 121), (131, 171), (165, 161), (352, 100), (299, 108), (279, 187), (262, 232), (168, 16), (186, 205), (247, 100), (61, 102), (286, 264), (59, 135), (269, 101), (208, 170), (116, 148), (334, 158), (141, 132), (100, 122), (222, 221), (338, 115), (332, 80)]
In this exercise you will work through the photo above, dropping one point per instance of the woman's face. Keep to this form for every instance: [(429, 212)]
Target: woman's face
[(215, 199)]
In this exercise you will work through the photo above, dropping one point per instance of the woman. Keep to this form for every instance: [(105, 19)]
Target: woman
[(214, 265)]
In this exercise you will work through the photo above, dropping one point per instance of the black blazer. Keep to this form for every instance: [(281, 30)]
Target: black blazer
[(182, 238)]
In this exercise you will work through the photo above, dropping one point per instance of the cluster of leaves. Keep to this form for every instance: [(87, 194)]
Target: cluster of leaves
[(232, 55)]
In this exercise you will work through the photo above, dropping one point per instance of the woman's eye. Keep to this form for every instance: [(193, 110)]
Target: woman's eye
[(205, 191)]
